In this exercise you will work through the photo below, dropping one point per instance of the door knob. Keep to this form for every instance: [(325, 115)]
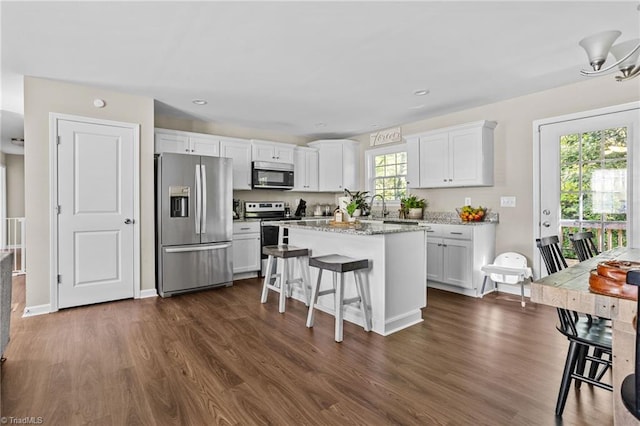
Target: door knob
[(546, 224), (128, 221), (546, 212)]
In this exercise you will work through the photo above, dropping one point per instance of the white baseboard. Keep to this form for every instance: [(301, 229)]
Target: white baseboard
[(150, 292), (244, 275), (32, 311)]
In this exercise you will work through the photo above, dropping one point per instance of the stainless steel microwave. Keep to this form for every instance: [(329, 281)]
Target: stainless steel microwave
[(266, 175)]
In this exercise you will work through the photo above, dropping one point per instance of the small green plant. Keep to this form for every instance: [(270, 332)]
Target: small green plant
[(351, 207), (413, 202), (358, 197)]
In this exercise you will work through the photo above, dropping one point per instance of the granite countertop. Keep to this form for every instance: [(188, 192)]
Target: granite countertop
[(443, 221), (357, 228)]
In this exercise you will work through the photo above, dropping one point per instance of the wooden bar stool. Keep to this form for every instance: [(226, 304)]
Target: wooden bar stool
[(280, 282), (340, 265)]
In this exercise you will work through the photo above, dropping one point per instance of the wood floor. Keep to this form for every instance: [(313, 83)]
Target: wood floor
[(221, 357)]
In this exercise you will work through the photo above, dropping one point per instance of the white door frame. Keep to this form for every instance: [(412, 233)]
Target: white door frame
[(633, 215), (54, 118)]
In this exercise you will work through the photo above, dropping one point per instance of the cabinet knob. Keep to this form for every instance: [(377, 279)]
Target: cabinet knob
[(187, 150), (450, 180), (444, 180)]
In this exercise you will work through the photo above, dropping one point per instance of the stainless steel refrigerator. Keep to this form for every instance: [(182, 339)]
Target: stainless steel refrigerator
[(194, 223)]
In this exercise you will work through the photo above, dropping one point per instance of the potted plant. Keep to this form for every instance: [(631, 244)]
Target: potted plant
[(360, 201), (412, 206), (351, 210)]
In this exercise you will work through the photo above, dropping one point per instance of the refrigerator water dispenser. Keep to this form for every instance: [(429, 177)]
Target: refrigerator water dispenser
[(179, 200)]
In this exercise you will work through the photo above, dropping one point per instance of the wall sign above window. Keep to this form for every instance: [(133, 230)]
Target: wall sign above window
[(386, 136)]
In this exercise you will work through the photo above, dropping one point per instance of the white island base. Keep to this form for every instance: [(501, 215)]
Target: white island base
[(396, 278)]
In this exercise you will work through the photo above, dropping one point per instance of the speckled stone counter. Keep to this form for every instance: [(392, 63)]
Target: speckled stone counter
[(445, 218), (397, 275), (357, 228)]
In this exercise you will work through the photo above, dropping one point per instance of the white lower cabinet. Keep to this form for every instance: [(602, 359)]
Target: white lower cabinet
[(246, 247), (455, 254), (451, 261)]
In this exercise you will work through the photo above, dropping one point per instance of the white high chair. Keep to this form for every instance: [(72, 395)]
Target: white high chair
[(508, 268)]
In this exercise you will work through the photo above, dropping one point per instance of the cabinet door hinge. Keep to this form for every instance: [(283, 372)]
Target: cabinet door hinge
[(58, 209), (59, 139), (59, 279)]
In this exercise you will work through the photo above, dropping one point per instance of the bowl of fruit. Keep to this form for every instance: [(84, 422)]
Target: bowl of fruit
[(472, 214)]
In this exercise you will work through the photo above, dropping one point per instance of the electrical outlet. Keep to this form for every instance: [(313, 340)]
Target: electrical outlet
[(507, 201), (467, 201)]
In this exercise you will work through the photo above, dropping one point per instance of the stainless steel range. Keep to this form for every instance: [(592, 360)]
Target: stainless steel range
[(267, 211), (272, 210)]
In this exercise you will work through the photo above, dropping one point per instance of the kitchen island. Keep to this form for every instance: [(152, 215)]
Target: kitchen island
[(396, 278)]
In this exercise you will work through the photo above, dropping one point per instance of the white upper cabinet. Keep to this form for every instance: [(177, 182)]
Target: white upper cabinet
[(179, 142), (455, 156), (338, 164), (413, 162), (171, 141), (239, 150), (305, 169), (274, 152), (205, 145)]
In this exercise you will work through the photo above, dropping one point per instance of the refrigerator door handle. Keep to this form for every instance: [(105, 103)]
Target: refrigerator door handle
[(198, 199), (197, 248), (204, 199)]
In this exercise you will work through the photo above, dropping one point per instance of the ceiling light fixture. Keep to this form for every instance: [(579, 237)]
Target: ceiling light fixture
[(199, 102), (421, 92), (17, 141), (321, 124), (598, 47)]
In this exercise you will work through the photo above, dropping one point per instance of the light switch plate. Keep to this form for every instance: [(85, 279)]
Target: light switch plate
[(467, 201), (507, 201)]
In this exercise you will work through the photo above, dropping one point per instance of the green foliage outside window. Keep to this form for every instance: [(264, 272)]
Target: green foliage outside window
[(390, 175), (593, 186)]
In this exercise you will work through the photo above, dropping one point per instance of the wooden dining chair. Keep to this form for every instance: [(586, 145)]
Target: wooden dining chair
[(583, 245), (631, 384), (583, 332)]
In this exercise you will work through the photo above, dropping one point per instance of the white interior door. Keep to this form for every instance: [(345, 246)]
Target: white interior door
[(550, 177), (96, 213)]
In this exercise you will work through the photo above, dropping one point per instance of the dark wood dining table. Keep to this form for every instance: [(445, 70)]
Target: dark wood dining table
[(569, 289)]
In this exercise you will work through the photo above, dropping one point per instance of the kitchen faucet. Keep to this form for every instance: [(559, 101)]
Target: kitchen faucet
[(384, 205)]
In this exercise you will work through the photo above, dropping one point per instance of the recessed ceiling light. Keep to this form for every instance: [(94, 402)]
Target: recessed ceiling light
[(374, 125), (199, 102), (417, 106), (321, 124), (421, 92)]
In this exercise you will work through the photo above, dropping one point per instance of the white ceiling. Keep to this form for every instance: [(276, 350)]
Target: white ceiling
[(313, 69)]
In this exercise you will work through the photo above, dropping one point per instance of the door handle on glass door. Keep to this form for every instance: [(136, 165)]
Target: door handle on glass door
[(546, 224)]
